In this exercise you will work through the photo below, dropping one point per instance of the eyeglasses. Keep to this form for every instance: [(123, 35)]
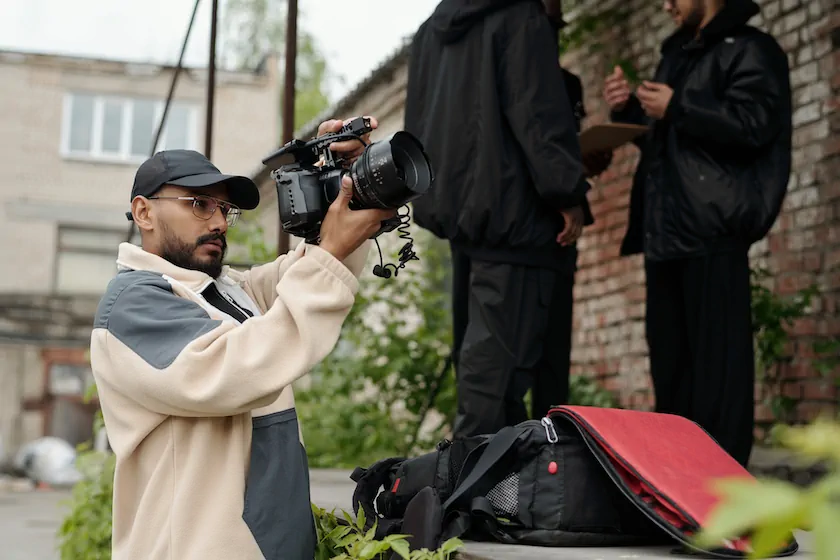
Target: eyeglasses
[(205, 206)]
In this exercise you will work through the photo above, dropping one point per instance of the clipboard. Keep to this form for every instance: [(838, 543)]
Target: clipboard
[(603, 137)]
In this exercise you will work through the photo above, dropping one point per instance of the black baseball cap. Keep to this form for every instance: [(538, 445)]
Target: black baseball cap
[(191, 170)]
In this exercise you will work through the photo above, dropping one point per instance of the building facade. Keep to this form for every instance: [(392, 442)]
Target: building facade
[(803, 248), (74, 132)]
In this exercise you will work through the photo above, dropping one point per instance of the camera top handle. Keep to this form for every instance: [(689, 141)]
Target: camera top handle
[(306, 154)]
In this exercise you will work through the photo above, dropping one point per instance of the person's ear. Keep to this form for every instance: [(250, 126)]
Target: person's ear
[(142, 211)]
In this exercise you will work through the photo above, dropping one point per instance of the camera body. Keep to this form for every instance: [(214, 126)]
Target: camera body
[(387, 175)]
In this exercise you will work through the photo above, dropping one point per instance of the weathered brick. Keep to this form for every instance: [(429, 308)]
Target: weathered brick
[(822, 46), (771, 10), (832, 259), (807, 114), (788, 5), (809, 217), (806, 178), (805, 54), (829, 63), (805, 74), (816, 9), (816, 91), (790, 42), (794, 20), (801, 198), (808, 411), (809, 133)]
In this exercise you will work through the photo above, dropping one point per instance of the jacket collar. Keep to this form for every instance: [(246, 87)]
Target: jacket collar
[(734, 15), (132, 257)]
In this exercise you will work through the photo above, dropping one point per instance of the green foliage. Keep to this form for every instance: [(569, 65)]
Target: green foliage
[(388, 363), (85, 532), (346, 539), (586, 391), (246, 241), (772, 510), (253, 28), (772, 317), (587, 21), (828, 358), (310, 95)]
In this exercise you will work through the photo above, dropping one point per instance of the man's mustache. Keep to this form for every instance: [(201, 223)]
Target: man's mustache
[(212, 237)]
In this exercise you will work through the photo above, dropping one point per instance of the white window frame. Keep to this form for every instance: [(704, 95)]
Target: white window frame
[(124, 156)]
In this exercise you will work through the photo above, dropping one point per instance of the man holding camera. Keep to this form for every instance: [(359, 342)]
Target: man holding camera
[(194, 365), (487, 98), (711, 181)]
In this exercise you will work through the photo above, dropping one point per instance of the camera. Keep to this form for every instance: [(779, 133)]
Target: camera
[(389, 174)]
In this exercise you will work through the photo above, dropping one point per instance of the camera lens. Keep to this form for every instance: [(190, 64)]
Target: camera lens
[(392, 172)]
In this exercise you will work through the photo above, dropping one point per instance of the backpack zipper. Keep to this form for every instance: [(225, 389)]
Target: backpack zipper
[(551, 436), (550, 432)]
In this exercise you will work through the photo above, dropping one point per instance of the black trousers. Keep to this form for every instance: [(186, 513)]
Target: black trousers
[(512, 332), (699, 333)]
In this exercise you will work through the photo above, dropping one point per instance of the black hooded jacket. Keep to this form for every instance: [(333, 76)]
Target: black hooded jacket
[(487, 97), (714, 172)]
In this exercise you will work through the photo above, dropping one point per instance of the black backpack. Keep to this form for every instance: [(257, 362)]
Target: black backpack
[(535, 483)]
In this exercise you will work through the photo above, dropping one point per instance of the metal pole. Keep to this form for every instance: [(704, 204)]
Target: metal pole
[(169, 96), (211, 83), (289, 97)]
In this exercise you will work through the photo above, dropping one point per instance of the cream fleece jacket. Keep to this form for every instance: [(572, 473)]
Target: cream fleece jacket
[(199, 407)]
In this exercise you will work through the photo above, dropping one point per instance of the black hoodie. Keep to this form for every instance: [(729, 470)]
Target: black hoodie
[(487, 98), (714, 172)]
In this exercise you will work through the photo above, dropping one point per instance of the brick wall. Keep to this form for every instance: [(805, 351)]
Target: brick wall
[(804, 245)]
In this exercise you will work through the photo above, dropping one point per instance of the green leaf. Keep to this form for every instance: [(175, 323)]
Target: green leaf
[(401, 547), (349, 518), (826, 529), (820, 439), (369, 551), (360, 518), (768, 539), (452, 545), (347, 540), (338, 533), (747, 504)]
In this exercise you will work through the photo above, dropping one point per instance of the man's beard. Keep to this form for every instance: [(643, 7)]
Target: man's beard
[(183, 254)]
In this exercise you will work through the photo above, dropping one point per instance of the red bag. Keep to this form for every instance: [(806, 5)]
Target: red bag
[(665, 465)]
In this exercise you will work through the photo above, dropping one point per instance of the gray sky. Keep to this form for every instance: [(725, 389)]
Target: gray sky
[(152, 30)]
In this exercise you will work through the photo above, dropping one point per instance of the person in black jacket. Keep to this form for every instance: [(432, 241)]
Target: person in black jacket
[(711, 182), (488, 99)]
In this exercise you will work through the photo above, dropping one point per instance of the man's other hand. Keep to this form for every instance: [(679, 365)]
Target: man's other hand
[(344, 230), (573, 227), (595, 163), (617, 90), (654, 98), (350, 150)]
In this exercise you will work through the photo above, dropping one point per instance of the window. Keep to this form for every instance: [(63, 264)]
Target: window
[(86, 258), (69, 379), (115, 128)]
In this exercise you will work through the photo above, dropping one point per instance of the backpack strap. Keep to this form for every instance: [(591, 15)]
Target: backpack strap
[(492, 460), (368, 482), (463, 508)]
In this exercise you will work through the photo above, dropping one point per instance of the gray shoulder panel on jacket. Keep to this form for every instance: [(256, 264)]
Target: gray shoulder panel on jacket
[(140, 309)]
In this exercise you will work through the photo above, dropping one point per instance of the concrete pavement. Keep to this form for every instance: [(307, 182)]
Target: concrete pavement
[(29, 521)]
